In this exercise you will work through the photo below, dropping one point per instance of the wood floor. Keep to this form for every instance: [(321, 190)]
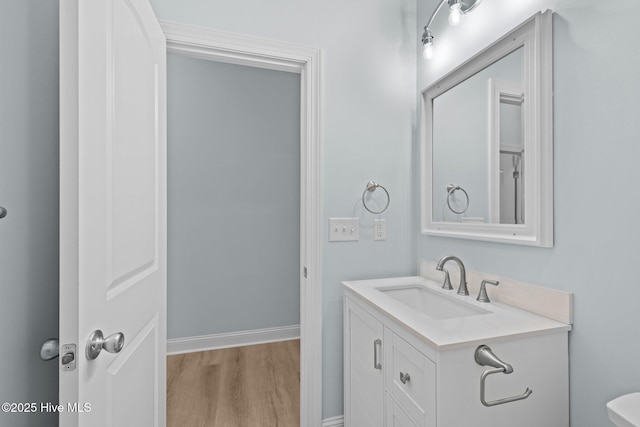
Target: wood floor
[(252, 386)]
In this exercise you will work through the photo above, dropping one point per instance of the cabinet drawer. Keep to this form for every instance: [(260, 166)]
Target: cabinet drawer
[(396, 416), (411, 379)]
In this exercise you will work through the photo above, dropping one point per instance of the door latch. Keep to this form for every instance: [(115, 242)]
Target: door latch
[(68, 357)]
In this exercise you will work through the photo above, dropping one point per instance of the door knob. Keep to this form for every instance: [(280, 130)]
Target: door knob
[(50, 349), (97, 342)]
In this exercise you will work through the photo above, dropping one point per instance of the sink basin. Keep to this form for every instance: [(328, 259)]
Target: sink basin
[(443, 319), (430, 303)]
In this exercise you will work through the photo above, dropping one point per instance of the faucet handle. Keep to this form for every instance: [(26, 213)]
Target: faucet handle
[(482, 295), (447, 281)]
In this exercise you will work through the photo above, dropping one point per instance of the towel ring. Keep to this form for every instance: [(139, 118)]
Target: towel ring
[(451, 188), (371, 186)]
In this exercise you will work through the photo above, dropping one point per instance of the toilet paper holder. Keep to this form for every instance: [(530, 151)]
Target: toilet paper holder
[(485, 357)]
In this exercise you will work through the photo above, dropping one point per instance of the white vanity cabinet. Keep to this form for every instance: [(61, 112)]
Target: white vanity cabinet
[(396, 376), (365, 383), (377, 363)]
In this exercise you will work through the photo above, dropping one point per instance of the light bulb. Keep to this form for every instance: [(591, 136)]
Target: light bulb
[(455, 15), (427, 53)]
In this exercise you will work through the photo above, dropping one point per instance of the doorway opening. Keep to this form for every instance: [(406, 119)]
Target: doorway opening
[(199, 43), (233, 230)]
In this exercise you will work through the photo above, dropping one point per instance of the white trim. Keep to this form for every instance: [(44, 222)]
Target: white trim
[(232, 339), (240, 49), (498, 90), (333, 422), (534, 36)]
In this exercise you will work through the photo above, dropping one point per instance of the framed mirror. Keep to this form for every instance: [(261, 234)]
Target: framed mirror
[(487, 143)]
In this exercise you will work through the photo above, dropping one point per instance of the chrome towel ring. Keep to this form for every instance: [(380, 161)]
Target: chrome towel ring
[(451, 188), (371, 186)]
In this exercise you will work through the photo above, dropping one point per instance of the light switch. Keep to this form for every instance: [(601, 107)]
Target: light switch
[(380, 229), (344, 229)]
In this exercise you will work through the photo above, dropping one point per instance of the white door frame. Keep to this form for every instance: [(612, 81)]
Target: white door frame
[(239, 49)]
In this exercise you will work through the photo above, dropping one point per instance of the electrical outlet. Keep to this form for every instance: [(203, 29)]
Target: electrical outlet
[(380, 229), (344, 229)]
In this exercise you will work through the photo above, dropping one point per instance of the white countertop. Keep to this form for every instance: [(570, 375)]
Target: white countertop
[(500, 322)]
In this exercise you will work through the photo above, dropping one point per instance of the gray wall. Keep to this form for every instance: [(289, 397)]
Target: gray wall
[(233, 197), (29, 191), (596, 147)]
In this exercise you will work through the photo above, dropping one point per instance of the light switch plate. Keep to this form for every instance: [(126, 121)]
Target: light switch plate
[(380, 229), (344, 229)]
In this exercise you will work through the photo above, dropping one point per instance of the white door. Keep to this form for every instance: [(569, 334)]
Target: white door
[(112, 212)]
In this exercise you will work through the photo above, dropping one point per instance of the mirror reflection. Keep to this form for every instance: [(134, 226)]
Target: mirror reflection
[(478, 146), (511, 151)]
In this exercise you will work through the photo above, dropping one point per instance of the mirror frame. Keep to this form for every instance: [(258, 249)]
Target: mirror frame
[(535, 37)]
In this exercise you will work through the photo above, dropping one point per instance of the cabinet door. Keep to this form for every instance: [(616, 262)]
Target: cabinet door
[(363, 379)]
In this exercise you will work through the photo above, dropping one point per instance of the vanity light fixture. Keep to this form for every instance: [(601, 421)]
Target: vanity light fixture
[(457, 9), (427, 42), (455, 12)]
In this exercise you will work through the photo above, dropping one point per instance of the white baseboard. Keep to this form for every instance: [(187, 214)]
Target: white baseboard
[(333, 422), (233, 339)]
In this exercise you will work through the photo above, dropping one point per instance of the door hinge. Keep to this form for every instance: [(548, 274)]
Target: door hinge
[(305, 272)]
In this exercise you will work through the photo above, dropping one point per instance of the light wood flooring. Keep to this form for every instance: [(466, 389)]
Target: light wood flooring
[(251, 386)]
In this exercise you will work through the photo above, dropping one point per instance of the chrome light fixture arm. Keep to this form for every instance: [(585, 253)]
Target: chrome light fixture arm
[(433, 14), (427, 36), (461, 6)]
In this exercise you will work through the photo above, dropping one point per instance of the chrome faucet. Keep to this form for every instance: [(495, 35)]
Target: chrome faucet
[(462, 289)]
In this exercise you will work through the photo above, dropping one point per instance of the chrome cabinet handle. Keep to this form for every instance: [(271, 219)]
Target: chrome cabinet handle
[(97, 342), (404, 378), (376, 345)]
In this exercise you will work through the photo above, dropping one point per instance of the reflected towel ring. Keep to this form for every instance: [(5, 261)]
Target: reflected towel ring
[(451, 188), (371, 186)]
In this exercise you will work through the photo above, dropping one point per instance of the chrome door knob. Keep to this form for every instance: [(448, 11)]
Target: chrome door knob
[(50, 349), (97, 342)]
